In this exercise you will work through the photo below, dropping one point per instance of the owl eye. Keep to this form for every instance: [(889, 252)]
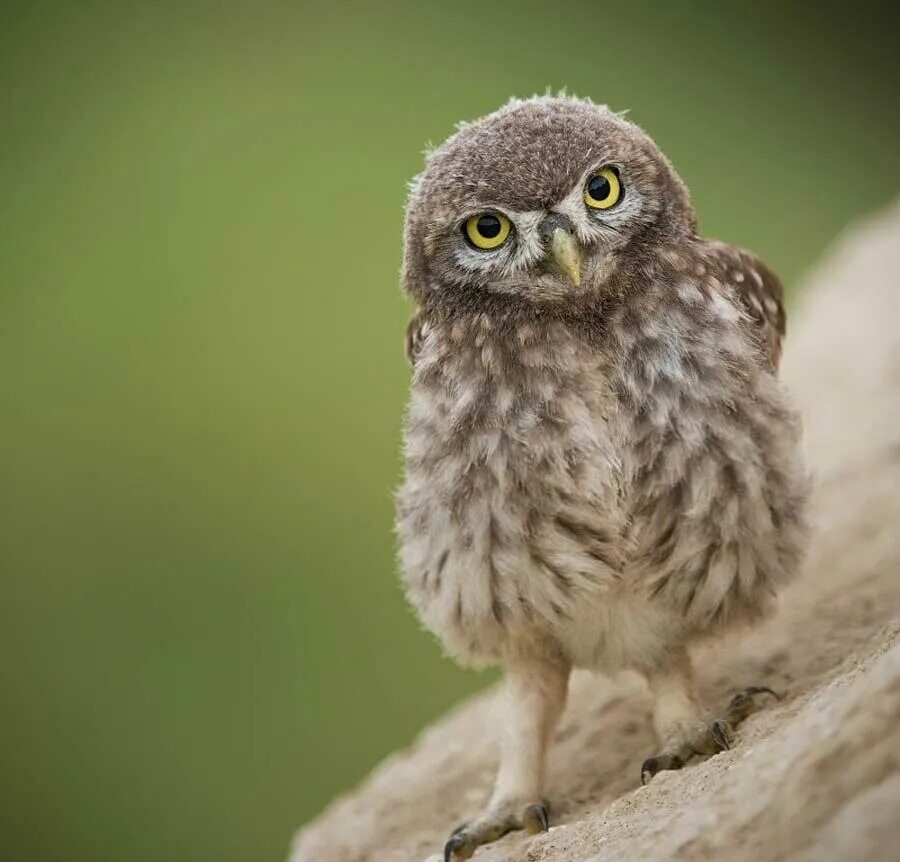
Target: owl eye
[(603, 189), (487, 231)]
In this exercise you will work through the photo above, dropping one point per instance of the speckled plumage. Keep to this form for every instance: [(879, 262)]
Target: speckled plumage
[(596, 473)]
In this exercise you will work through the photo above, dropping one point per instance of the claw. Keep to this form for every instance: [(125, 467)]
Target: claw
[(761, 689), (457, 848), (660, 763), (449, 848), (536, 819), (742, 704), (719, 730)]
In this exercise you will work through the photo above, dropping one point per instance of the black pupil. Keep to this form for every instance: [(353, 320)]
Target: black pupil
[(489, 226), (598, 188)]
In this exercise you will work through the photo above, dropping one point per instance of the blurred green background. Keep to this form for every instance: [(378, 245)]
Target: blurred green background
[(202, 638)]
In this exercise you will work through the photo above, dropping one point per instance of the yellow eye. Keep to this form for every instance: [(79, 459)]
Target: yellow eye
[(488, 230), (603, 189)]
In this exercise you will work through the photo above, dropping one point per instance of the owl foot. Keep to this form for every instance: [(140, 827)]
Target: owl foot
[(708, 739), (467, 837)]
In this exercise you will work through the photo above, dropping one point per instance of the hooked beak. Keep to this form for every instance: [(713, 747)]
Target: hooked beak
[(558, 234), (566, 253)]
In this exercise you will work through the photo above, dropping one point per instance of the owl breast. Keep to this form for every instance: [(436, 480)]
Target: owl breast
[(509, 520), (594, 495)]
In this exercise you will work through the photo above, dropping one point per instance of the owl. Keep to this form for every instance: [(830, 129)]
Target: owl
[(600, 464)]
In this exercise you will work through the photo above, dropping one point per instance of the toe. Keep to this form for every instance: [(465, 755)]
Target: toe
[(492, 825)]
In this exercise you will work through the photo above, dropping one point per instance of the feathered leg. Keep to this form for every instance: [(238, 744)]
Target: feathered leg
[(535, 697)]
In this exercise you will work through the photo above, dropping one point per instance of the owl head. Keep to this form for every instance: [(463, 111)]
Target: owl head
[(546, 201)]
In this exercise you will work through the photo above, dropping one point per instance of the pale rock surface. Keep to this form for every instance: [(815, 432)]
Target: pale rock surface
[(815, 777)]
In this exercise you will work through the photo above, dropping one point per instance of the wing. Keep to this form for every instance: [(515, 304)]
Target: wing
[(757, 289), (416, 330)]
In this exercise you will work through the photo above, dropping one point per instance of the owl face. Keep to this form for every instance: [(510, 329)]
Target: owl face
[(544, 201)]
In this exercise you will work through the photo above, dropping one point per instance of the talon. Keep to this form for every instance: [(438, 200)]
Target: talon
[(742, 704), (449, 847), (649, 769), (660, 763), (719, 731), (762, 689), (536, 819), (457, 847)]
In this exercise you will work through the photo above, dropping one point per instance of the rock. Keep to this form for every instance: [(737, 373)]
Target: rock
[(815, 777)]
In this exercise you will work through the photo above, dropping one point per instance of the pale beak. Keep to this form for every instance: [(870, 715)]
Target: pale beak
[(566, 253)]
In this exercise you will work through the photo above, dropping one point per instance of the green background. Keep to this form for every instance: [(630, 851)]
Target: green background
[(202, 638)]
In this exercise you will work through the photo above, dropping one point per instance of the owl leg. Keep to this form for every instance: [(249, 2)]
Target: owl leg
[(682, 730), (535, 697)]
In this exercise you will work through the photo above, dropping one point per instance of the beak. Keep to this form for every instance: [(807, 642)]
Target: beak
[(566, 253), (558, 234)]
